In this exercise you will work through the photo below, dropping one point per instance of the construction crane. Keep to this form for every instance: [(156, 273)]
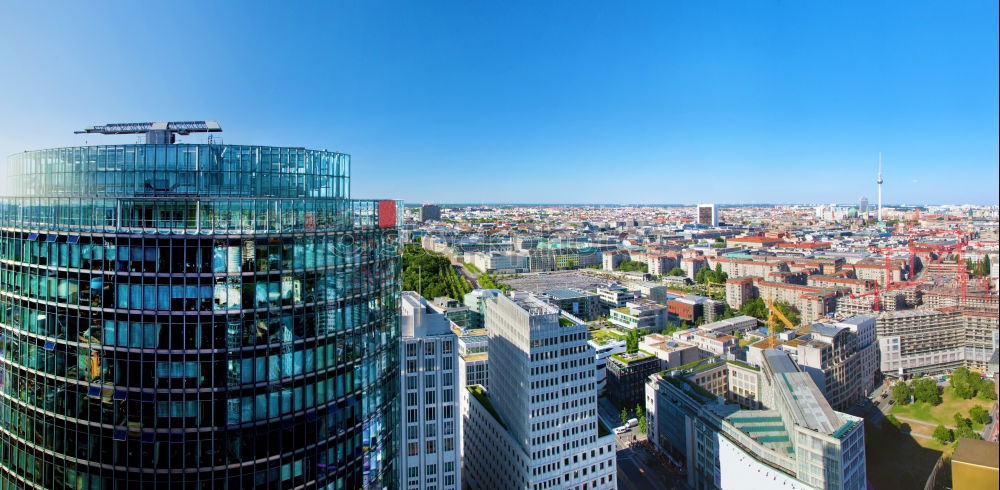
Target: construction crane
[(774, 312), (157, 133)]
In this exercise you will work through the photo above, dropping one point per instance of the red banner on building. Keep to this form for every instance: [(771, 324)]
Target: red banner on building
[(386, 214)]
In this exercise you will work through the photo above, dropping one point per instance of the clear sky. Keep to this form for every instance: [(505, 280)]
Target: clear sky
[(487, 101)]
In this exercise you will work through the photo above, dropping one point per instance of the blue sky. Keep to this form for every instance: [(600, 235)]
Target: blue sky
[(616, 102)]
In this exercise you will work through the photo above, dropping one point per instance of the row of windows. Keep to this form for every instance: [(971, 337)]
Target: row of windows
[(181, 168), (221, 216), (175, 294), (193, 255), (162, 332)]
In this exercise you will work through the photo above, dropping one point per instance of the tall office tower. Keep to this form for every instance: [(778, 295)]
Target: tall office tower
[(708, 214), (431, 429), (199, 316), (863, 206), (430, 212), (536, 426)]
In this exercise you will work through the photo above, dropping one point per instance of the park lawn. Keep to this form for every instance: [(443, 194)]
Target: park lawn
[(943, 413)]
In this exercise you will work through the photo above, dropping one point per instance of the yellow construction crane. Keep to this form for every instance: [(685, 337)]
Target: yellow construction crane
[(771, 324)]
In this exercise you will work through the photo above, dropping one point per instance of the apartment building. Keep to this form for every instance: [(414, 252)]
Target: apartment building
[(536, 426), (750, 268), (730, 326), (428, 383), (930, 341)]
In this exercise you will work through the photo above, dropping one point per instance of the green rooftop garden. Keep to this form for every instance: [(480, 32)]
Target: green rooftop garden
[(699, 365), (565, 322), (630, 358), (480, 394), (601, 337)]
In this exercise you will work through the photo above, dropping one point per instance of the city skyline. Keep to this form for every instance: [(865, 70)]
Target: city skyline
[(544, 104)]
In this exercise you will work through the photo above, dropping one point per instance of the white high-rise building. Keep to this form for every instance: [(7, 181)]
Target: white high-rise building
[(537, 425), (431, 430), (708, 214)]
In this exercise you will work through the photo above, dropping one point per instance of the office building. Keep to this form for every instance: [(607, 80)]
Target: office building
[(428, 382), (430, 212), (476, 301), (603, 349), (473, 358), (640, 313), (708, 215), (579, 303), (614, 296), (793, 440), (536, 426), (195, 315), (626, 377)]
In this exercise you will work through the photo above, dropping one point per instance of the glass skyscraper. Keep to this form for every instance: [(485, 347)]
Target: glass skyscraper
[(195, 316)]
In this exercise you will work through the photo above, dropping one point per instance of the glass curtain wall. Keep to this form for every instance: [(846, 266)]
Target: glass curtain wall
[(207, 315)]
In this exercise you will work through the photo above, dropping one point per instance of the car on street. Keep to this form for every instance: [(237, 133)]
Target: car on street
[(621, 430), (884, 395)]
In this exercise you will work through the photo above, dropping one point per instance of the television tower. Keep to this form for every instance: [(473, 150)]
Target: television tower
[(879, 182)]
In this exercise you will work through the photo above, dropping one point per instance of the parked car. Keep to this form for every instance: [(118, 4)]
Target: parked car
[(632, 423), (884, 395), (621, 430)]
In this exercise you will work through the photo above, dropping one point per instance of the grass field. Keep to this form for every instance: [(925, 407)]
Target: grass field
[(941, 414)]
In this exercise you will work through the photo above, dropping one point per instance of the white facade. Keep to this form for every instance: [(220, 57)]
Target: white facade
[(537, 426), (601, 354), (431, 431)]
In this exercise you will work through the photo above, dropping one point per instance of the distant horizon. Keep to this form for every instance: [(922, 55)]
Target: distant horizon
[(554, 101), (679, 205)]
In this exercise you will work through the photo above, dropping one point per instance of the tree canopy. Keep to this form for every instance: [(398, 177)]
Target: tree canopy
[(901, 393), (926, 390), (632, 266), (431, 274), (676, 271)]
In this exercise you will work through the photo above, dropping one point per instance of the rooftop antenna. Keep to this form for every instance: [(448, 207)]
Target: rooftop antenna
[(157, 133), (879, 182)]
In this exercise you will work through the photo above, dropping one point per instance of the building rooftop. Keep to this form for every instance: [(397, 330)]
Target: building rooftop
[(808, 406), (977, 452), (765, 427), (826, 329)]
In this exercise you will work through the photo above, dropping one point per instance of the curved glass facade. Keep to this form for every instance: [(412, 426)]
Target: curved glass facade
[(212, 315)]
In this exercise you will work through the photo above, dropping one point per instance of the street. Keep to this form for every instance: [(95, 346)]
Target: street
[(638, 465)]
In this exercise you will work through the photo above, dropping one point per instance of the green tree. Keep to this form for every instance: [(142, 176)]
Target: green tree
[(642, 424), (965, 432), (964, 383), (926, 390), (755, 308), (894, 422), (961, 421), (985, 390), (943, 434), (901, 393), (624, 416), (979, 415), (676, 271), (632, 341), (638, 410), (632, 266)]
